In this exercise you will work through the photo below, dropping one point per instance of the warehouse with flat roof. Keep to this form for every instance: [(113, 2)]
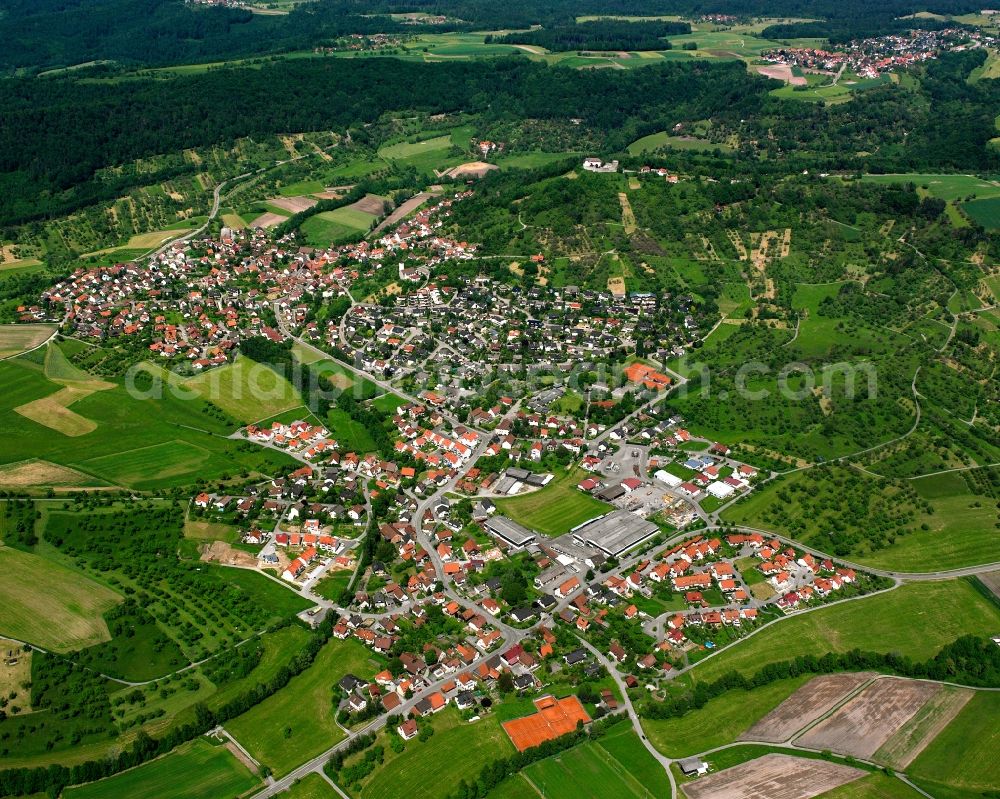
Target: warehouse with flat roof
[(615, 532), (510, 531)]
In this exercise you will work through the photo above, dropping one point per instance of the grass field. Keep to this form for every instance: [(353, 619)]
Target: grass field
[(144, 242), (583, 771), (158, 442), (297, 722), (432, 769), (960, 532), (985, 212), (330, 227), (350, 435), (963, 756), (874, 786), (311, 786), (15, 339), (49, 605), (945, 187), (663, 139), (195, 769), (556, 508), (916, 619), (721, 721), (246, 390)]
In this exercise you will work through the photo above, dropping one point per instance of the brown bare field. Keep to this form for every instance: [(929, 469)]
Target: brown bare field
[(806, 705), (782, 72), (473, 169), (867, 721), (327, 195), (32, 474), (914, 736), (15, 339), (267, 220), (370, 204), (773, 776), (992, 581), (15, 672), (616, 285), (221, 552), (293, 204)]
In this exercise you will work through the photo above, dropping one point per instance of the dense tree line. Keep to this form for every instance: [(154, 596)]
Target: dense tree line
[(969, 660), (55, 134), (603, 34)]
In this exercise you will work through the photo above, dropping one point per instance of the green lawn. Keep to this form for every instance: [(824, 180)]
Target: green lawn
[(196, 769), (388, 403), (556, 508), (409, 149), (963, 756), (916, 619), (297, 723), (721, 721)]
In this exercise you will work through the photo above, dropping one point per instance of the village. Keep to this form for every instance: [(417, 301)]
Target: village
[(870, 58)]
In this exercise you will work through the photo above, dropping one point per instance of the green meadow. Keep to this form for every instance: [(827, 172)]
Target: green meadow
[(142, 443), (198, 768)]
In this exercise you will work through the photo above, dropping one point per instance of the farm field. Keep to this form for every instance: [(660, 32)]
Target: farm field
[(916, 619), (297, 722), (984, 212), (800, 778), (195, 769), (555, 508), (50, 605), (141, 443), (962, 759), (15, 339), (861, 726), (143, 242), (33, 475), (663, 139), (457, 748), (246, 390), (721, 721), (806, 705)]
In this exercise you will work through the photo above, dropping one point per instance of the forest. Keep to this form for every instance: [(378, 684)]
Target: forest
[(39, 34), (603, 34)]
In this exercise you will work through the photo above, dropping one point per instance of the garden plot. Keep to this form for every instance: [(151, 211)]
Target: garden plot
[(773, 777), (870, 719), (806, 705)]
